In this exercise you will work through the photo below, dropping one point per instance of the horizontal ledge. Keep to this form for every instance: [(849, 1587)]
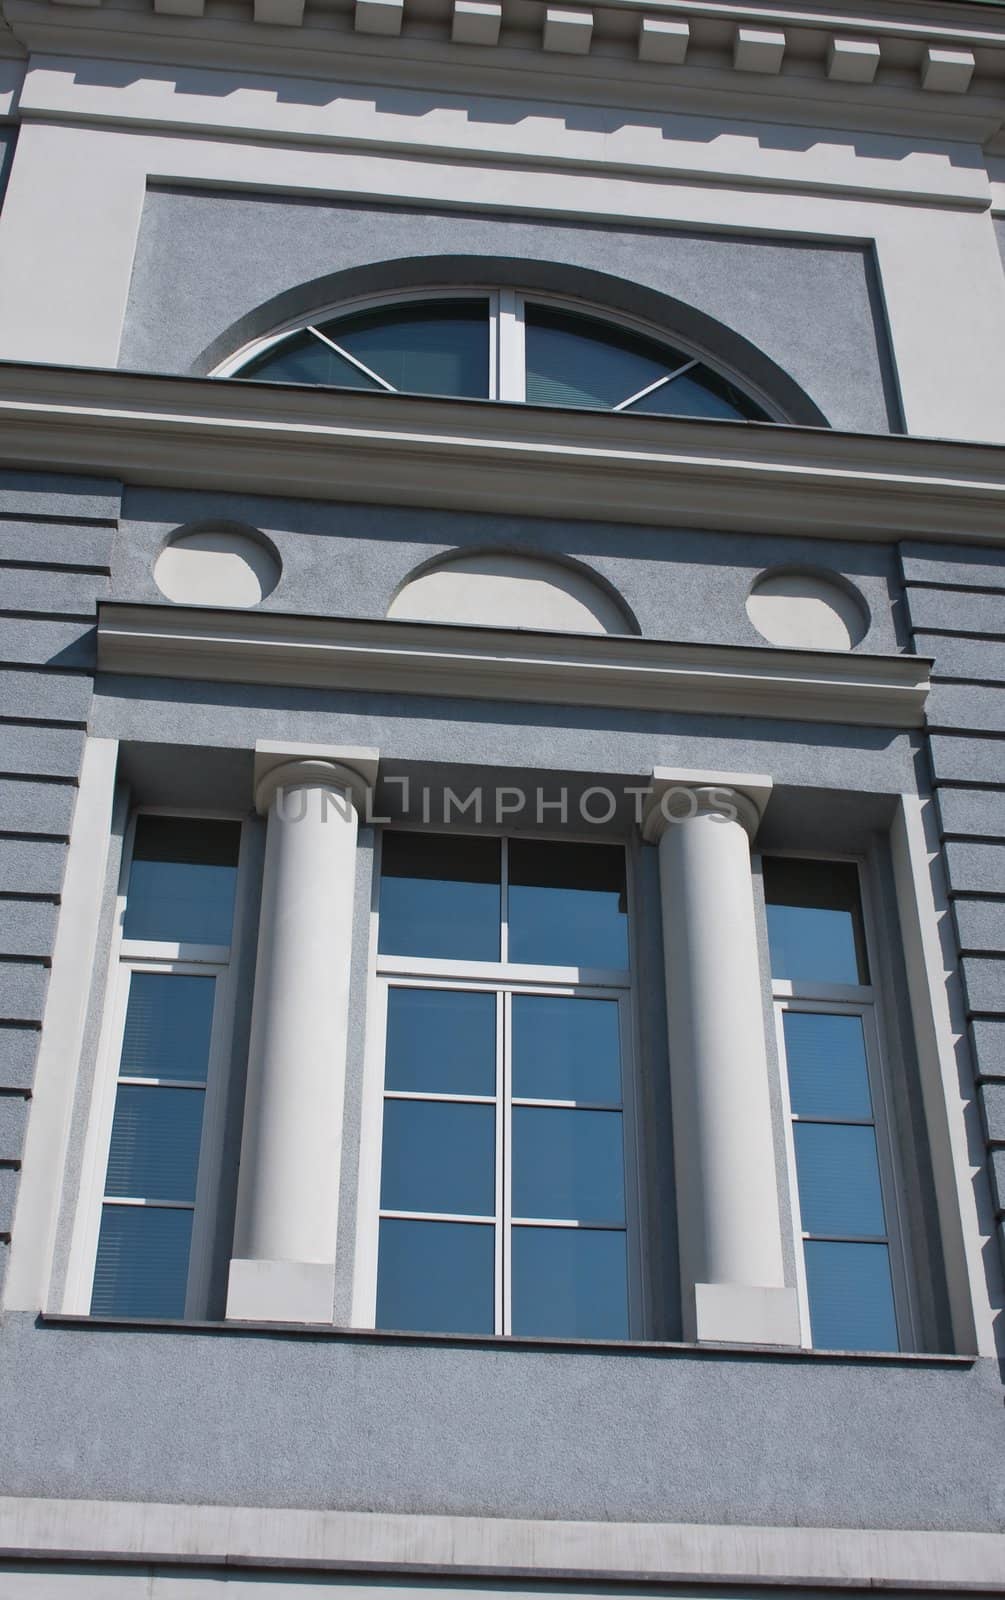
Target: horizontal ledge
[(485, 663), (503, 1547), (348, 445), (511, 1341)]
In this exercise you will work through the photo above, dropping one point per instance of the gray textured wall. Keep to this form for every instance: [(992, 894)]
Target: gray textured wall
[(502, 736), (213, 270), (349, 560), (418, 1425), (956, 609), (426, 1425), (55, 547)]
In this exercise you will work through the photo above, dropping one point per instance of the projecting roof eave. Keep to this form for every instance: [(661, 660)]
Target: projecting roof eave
[(346, 445)]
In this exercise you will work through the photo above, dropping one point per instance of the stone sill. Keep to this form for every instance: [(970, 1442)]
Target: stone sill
[(623, 1347)]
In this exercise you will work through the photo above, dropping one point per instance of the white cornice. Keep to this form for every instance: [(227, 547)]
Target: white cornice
[(504, 664), (619, 65), (846, 1559), (227, 434)]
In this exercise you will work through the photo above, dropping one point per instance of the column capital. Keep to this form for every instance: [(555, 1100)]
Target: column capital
[(680, 793), (280, 764)]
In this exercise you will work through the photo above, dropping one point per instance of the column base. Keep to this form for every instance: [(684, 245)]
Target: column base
[(281, 1291), (742, 1313)]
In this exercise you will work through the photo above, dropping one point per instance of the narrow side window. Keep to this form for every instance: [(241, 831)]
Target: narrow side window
[(166, 1038), (852, 1283)]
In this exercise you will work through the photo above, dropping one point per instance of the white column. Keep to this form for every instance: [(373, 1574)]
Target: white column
[(724, 1153), (287, 1207)]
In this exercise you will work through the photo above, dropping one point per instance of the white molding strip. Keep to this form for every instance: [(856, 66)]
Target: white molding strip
[(216, 433), (73, 957), (486, 663), (453, 1546)]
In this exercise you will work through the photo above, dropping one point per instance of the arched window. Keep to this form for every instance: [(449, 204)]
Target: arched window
[(499, 346)]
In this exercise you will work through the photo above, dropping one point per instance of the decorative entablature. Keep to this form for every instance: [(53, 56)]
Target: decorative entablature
[(477, 455), (898, 56)]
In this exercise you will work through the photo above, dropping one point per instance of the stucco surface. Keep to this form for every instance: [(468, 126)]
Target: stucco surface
[(55, 543), (215, 269), (414, 1426), (961, 593), (507, 739), (13, 1114), (988, 1035), (349, 560)]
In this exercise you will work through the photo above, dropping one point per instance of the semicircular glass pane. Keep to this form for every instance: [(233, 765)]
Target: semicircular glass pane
[(304, 358), (574, 360), (433, 347), (700, 393)]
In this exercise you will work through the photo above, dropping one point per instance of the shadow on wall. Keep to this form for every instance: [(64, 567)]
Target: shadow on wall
[(492, 111)]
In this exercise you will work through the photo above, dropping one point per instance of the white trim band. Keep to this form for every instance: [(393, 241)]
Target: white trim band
[(395, 449), (488, 663), (333, 1540)]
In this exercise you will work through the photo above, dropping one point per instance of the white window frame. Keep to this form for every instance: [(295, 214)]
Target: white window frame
[(866, 1002), (139, 955), (503, 979), (506, 314)]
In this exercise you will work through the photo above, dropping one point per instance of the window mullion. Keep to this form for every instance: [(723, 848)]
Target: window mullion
[(504, 903), (802, 1288), (651, 388), (504, 1198), (353, 361), (510, 344)]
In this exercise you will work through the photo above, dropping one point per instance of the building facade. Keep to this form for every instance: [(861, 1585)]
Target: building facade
[(502, 999)]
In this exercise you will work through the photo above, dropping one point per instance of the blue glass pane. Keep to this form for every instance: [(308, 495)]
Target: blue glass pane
[(182, 880), (700, 393), (567, 904), (812, 944), (439, 348), (579, 361), (838, 1173), (307, 359), (436, 1277), (568, 1164), (154, 1151), (827, 1067), (168, 1024), (565, 1049), (815, 921), (441, 1041), (570, 1283), (851, 1296), (438, 1156), (142, 1264), (440, 896)]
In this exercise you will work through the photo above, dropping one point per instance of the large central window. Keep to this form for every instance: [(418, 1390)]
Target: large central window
[(506, 1166), (498, 346)]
